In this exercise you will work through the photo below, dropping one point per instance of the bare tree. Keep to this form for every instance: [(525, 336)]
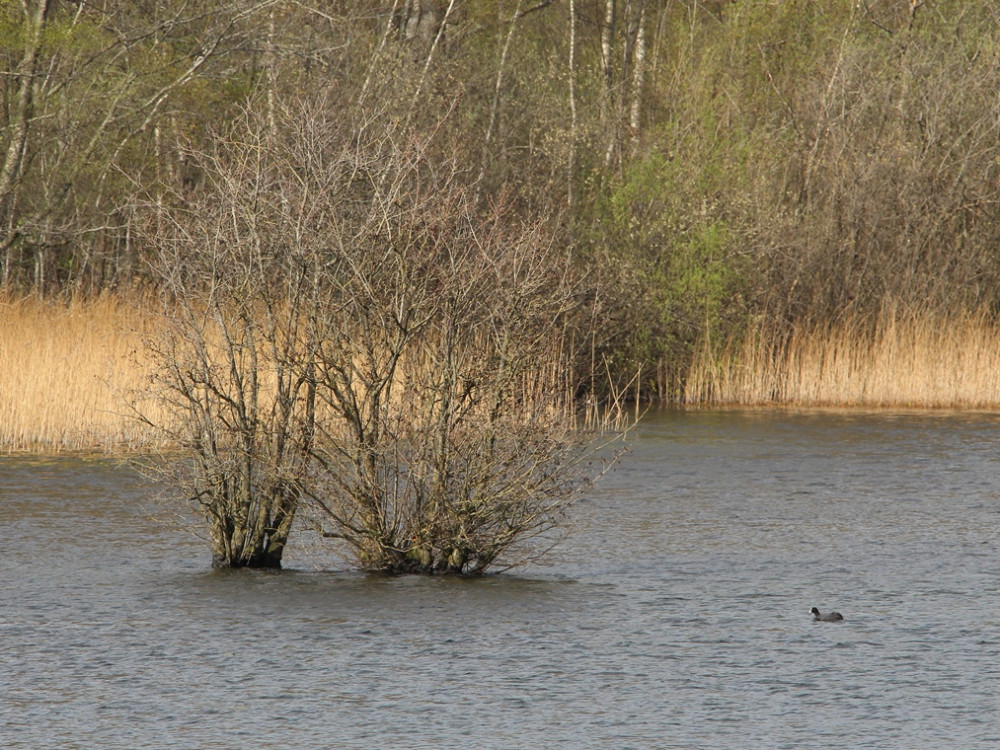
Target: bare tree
[(236, 280), (348, 333), (445, 376), (621, 96), (454, 436), (82, 84)]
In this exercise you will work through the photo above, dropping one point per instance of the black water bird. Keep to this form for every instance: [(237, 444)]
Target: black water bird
[(828, 617)]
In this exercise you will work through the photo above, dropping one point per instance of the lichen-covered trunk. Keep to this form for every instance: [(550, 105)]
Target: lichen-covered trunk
[(19, 116), (255, 539)]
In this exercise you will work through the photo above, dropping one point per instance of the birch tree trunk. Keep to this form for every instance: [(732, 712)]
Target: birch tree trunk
[(638, 72), (500, 69), (430, 57), (608, 78), (19, 122), (571, 168), (622, 99)]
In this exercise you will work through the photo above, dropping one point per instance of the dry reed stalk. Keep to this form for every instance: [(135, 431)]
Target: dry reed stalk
[(542, 390), (546, 388), (65, 370), (903, 361), (543, 387), (69, 372)]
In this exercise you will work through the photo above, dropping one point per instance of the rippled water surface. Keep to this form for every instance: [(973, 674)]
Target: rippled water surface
[(676, 617)]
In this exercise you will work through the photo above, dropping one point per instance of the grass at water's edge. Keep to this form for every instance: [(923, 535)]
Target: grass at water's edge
[(69, 370), (921, 361)]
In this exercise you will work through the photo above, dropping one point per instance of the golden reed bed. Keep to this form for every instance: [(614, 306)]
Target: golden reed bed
[(920, 362), (68, 370)]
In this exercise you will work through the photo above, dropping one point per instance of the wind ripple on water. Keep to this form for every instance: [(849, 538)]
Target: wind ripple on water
[(676, 617)]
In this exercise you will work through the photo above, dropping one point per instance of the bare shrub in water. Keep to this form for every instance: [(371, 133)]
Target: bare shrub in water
[(348, 333), (445, 447), (238, 295)]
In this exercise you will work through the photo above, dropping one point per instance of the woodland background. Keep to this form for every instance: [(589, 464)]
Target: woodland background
[(725, 174)]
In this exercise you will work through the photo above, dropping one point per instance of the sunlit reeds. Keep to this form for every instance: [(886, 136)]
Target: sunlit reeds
[(69, 371), (919, 361), (72, 373), (66, 370)]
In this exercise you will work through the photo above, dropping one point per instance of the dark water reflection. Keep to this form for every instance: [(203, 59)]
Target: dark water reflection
[(676, 617)]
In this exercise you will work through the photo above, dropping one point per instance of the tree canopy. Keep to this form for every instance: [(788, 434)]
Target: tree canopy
[(714, 162)]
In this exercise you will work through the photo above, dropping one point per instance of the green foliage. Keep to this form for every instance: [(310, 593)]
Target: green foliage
[(793, 160), (699, 280), (664, 228), (11, 27)]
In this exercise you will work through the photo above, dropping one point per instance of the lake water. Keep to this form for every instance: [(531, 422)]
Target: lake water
[(676, 617)]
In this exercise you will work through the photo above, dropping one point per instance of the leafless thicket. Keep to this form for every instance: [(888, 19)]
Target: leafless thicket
[(888, 199), (348, 332)]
